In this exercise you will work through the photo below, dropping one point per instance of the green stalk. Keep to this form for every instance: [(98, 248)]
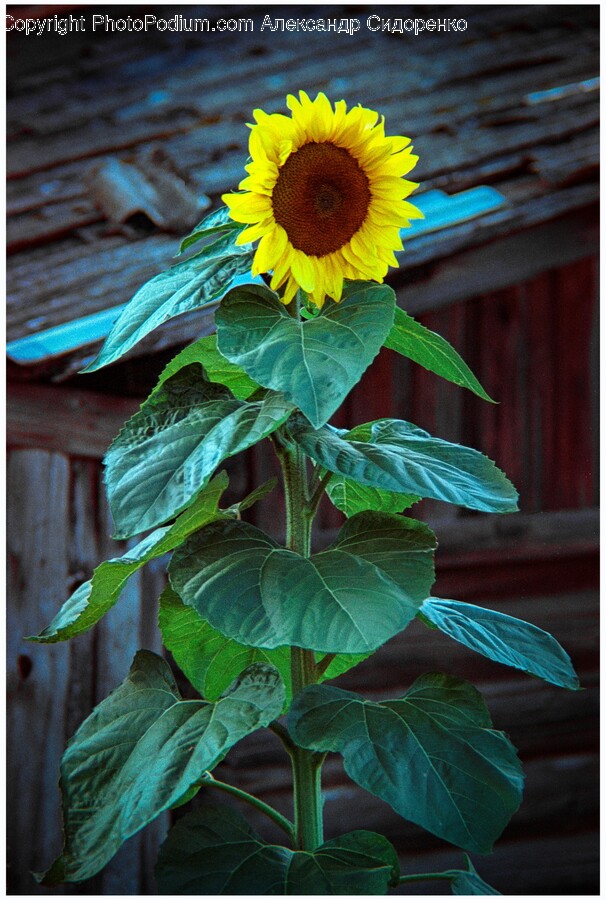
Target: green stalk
[(270, 812), (306, 765)]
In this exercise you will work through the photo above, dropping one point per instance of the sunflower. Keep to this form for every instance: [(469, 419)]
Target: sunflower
[(324, 196)]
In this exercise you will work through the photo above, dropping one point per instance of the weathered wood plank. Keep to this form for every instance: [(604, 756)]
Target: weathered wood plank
[(56, 525), (567, 163), (83, 556), (574, 444), (38, 678), (187, 103), (62, 285), (79, 423), (533, 536)]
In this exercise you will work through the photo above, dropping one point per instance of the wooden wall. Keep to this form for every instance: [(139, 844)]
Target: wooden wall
[(57, 531), (533, 348)]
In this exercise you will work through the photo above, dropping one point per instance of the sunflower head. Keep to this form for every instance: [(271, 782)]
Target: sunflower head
[(325, 196)]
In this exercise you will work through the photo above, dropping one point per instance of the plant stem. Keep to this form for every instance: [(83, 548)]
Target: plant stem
[(306, 765), (323, 665), (281, 732), (307, 787), (318, 491), (280, 820)]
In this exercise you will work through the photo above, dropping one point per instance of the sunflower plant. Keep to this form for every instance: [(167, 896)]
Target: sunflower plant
[(295, 263)]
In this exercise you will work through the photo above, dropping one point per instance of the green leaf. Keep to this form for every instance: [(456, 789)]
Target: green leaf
[(214, 851), (502, 638), (397, 456), (216, 222), (350, 598), (351, 497), (257, 494), (139, 752), (189, 285), (431, 754), (431, 351), (466, 883), (169, 449), (315, 363), (217, 369), (217, 572), (342, 662), (211, 661), (95, 597)]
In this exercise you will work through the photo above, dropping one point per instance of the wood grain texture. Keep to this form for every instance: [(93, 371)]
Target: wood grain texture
[(78, 423), (58, 526), (38, 678)]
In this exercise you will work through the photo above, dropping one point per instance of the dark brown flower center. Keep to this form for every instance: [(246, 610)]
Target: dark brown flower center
[(321, 198)]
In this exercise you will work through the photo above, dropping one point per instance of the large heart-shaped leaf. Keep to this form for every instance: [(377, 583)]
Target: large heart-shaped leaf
[(503, 638), (169, 449), (350, 598), (211, 661), (141, 750), (397, 456), (315, 362), (91, 600), (214, 851), (431, 351), (218, 572), (431, 754), (197, 282)]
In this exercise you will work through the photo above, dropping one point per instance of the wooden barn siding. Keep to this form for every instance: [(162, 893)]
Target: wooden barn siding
[(541, 568), (57, 532)]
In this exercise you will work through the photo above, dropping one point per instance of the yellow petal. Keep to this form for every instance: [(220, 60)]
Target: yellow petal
[(321, 123), (411, 211), (269, 251), (391, 188), (281, 269), (253, 232), (289, 293), (335, 276), (247, 208), (302, 270)]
